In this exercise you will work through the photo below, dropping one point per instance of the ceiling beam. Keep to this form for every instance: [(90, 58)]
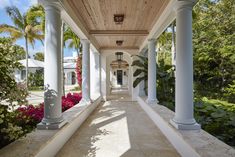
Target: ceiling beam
[(120, 48), (119, 32)]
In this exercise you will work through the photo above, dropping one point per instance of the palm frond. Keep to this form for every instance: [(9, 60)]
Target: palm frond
[(138, 80), (16, 17), (14, 32), (137, 63)]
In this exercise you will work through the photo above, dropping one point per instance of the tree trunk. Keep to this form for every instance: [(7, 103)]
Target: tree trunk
[(26, 67)]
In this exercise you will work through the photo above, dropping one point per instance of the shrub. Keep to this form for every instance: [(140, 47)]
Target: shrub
[(9, 131), (230, 92), (217, 118), (70, 100), (36, 79), (23, 120)]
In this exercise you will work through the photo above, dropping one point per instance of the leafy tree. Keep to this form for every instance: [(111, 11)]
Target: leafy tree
[(39, 56), (23, 27), (36, 79), (36, 15), (9, 55), (214, 47)]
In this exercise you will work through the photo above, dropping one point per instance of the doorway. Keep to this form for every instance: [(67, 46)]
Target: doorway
[(73, 78), (119, 77)]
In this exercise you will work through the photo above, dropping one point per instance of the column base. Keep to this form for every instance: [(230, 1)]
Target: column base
[(85, 101), (52, 126), (152, 101), (180, 126)]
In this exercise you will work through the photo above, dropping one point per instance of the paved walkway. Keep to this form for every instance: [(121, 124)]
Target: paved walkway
[(118, 128)]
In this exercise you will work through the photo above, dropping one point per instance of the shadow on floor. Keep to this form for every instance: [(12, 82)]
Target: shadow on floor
[(118, 129)]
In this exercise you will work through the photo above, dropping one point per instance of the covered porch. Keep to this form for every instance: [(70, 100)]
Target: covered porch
[(125, 121), (108, 28)]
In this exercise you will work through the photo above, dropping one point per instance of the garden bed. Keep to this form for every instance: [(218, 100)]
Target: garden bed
[(23, 120)]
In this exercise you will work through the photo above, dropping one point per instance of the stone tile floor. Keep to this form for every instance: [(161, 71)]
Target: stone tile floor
[(118, 128)]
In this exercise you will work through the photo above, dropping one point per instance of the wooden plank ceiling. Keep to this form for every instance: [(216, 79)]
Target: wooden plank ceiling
[(97, 16)]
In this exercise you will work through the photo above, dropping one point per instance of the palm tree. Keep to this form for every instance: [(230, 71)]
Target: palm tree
[(74, 42), (72, 39), (24, 26)]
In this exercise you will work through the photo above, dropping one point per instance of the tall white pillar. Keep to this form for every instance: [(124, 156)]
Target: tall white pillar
[(184, 118), (173, 51), (142, 83), (94, 74), (100, 82), (103, 73), (52, 70), (152, 71), (86, 97)]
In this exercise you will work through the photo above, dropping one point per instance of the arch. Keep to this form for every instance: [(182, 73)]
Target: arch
[(107, 56)]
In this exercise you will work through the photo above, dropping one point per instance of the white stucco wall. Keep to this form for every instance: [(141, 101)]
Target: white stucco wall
[(107, 56), (113, 78), (17, 73)]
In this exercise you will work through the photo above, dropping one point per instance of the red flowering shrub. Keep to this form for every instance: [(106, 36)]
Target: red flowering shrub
[(79, 70), (70, 100), (31, 115)]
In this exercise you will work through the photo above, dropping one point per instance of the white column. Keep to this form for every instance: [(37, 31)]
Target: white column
[(52, 70), (184, 118), (173, 52), (94, 74), (99, 89), (103, 76), (152, 99), (86, 97), (142, 83)]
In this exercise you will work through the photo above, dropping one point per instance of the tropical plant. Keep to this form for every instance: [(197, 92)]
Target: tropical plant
[(23, 27), (141, 72), (165, 77), (39, 56), (36, 79), (217, 118), (214, 47), (74, 42), (9, 90)]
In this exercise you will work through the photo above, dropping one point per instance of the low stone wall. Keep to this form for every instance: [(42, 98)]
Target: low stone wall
[(188, 143), (46, 143)]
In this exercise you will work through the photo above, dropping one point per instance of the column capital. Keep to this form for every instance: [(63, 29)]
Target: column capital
[(85, 41), (49, 4), (185, 4), (152, 40)]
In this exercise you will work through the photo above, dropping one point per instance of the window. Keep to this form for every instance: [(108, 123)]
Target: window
[(23, 74)]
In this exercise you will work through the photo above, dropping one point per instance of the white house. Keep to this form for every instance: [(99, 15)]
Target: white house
[(33, 66), (69, 69)]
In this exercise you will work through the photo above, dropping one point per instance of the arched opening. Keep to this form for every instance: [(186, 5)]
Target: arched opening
[(118, 71)]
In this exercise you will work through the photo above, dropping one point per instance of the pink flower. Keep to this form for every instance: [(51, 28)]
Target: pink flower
[(34, 114)]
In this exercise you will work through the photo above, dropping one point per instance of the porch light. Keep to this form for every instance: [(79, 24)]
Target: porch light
[(119, 62), (119, 42), (119, 56), (118, 18)]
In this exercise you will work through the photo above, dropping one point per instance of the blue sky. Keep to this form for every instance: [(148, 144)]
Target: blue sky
[(23, 6)]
